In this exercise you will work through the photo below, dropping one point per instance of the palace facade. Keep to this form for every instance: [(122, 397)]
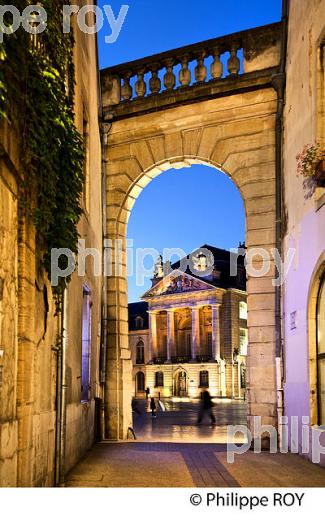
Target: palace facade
[(189, 332)]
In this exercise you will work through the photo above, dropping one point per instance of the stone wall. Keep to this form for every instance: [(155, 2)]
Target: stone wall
[(304, 123), (28, 324), (8, 315)]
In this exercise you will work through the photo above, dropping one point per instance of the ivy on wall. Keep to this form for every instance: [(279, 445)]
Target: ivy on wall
[(37, 98)]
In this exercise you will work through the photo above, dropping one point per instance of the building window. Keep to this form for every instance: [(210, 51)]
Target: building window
[(242, 310), (159, 379), (204, 379), (140, 353), (321, 352), (140, 382), (243, 341), (86, 344), (139, 322)]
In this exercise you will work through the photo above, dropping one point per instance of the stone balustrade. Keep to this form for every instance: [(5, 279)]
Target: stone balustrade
[(181, 70)]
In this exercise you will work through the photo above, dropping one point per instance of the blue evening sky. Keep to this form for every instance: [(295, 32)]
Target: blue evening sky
[(197, 205)]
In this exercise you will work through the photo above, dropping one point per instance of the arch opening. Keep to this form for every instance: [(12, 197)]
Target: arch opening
[(240, 147)]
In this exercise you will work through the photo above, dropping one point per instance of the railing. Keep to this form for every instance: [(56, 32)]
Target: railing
[(180, 359), (159, 360), (193, 65), (203, 358), (139, 361)]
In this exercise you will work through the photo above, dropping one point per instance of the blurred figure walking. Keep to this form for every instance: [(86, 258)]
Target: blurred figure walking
[(153, 407), (206, 408)]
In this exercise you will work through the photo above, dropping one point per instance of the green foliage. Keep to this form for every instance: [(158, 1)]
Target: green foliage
[(37, 98)]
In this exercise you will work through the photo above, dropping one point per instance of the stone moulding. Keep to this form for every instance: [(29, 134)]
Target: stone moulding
[(241, 61)]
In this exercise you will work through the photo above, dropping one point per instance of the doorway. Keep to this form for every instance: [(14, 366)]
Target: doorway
[(180, 384)]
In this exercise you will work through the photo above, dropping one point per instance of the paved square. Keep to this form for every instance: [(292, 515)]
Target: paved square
[(173, 451)]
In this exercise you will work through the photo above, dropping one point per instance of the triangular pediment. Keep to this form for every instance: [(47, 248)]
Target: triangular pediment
[(177, 282)]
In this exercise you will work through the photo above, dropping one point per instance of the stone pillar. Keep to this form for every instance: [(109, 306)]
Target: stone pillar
[(215, 332), (222, 377), (152, 334), (195, 331), (170, 334)]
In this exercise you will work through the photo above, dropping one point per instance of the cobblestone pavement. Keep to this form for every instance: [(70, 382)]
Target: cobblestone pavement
[(179, 422), (138, 464), (200, 462)]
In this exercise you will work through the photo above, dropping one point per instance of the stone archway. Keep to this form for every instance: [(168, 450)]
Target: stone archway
[(256, 183), (232, 130)]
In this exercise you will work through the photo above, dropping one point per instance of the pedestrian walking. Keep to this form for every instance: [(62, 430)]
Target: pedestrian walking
[(206, 408), (147, 392), (153, 407)]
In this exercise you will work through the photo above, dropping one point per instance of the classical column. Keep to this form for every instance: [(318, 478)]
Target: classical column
[(152, 334), (170, 333), (215, 332), (195, 331)]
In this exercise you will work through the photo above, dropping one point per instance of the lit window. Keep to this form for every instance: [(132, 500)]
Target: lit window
[(139, 322), (86, 345), (243, 341), (140, 353), (242, 310), (204, 379), (159, 379)]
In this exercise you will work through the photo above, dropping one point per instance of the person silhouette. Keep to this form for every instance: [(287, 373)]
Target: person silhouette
[(153, 407), (206, 407)]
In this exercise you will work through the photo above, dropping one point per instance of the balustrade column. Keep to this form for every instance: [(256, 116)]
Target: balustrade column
[(152, 334), (215, 332), (216, 66), (126, 89), (195, 332), (169, 77), (233, 62), (170, 334), (155, 83), (185, 73), (140, 84), (200, 70)]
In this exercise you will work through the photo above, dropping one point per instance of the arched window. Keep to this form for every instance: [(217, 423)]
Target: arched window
[(139, 322), (159, 379), (204, 379), (140, 353), (321, 352), (140, 382)]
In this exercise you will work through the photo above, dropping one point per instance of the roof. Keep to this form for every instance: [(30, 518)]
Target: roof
[(220, 276), (138, 309)]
